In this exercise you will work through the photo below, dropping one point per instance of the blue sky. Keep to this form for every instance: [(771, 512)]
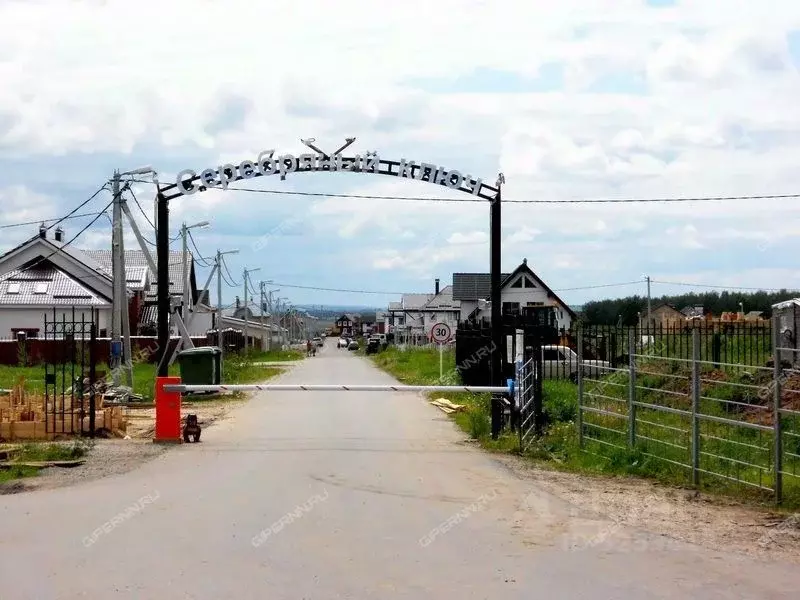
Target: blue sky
[(589, 99)]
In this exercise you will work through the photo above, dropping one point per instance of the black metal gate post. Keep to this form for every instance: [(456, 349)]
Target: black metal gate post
[(495, 218), (162, 251), (92, 375)]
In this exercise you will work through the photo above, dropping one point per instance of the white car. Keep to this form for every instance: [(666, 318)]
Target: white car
[(342, 343)]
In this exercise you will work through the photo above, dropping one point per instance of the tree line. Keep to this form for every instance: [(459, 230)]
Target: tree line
[(626, 311)]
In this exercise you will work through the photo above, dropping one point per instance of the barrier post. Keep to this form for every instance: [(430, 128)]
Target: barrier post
[(168, 412)]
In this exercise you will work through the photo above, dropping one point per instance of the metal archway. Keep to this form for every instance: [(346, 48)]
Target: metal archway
[(189, 182)]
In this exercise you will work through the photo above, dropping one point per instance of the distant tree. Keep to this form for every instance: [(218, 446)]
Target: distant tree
[(614, 311)]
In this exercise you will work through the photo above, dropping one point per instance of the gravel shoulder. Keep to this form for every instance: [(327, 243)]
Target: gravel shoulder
[(115, 456), (668, 512)]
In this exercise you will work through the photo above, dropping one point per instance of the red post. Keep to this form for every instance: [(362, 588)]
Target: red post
[(168, 412)]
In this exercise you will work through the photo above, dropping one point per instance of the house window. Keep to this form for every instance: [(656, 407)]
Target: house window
[(13, 287), (40, 287), (528, 282), (535, 303), (511, 308), (517, 283)]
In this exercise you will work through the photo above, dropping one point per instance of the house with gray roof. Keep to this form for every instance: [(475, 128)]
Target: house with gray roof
[(519, 290), (44, 274), (415, 314)]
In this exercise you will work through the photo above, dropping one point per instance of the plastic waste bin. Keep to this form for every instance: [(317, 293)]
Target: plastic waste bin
[(201, 366)]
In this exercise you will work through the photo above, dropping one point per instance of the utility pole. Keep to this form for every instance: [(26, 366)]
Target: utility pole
[(261, 312), (246, 305), (649, 312), (246, 332), (220, 339), (187, 302), (219, 305), (120, 322), (117, 276)]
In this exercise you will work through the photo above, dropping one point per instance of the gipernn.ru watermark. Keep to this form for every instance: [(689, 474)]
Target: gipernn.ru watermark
[(457, 518), (120, 518), (288, 518)]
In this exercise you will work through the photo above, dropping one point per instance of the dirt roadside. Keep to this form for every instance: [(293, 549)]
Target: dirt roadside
[(668, 512), (118, 456)]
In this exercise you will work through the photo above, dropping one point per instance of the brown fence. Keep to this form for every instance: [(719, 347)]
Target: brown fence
[(36, 351)]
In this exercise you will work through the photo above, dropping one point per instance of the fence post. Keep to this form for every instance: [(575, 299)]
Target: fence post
[(778, 442), (695, 407), (631, 388), (580, 387)]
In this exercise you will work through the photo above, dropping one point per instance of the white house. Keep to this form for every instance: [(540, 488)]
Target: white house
[(519, 290), (415, 314), (44, 274)]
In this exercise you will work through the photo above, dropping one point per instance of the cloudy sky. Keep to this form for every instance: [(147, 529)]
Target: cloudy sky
[(577, 99)]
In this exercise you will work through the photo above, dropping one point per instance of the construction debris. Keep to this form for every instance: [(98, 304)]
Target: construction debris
[(446, 406), (32, 416)]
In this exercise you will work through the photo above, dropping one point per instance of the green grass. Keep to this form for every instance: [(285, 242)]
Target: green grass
[(559, 443), (42, 452), (257, 355), (237, 369)]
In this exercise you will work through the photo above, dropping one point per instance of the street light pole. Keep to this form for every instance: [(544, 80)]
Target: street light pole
[(246, 305), (184, 233), (220, 340)]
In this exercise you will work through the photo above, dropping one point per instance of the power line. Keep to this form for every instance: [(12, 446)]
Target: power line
[(595, 287), (720, 287), (202, 258), (144, 214), (225, 264), (564, 201), (75, 237), (39, 221), (80, 206)]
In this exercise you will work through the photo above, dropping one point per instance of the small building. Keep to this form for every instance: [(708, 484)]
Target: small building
[(662, 315), (348, 324)]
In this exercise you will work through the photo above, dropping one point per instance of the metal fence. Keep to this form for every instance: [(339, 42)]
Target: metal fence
[(735, 423), (740, 343), (529, 389)]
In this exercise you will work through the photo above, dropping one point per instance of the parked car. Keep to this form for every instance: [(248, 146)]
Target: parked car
[(353, 345), (342, 343), (318, 341), (373, 345), (562, 362)]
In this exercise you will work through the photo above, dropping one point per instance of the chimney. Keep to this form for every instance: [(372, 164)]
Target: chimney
[(43, 231), (437, 286), (59, 234)]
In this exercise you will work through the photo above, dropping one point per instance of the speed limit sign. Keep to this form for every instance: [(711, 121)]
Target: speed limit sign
[(441, 333)]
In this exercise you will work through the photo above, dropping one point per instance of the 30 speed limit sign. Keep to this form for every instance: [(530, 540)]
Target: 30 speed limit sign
[(441, 333)]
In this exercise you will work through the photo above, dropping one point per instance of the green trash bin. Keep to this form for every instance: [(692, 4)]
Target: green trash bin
[(201, 366)]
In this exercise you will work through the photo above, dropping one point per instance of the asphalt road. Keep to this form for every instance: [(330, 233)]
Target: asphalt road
[(343, 495)]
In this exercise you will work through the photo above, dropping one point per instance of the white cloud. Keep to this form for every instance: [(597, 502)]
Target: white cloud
[(218, 83)]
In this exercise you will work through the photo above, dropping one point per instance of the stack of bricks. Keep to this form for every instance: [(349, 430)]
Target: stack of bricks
[(29, 416)]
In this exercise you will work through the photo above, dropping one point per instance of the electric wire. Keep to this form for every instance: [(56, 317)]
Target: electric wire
[(202, 259), (506, 202), (67, 243), (39, 221), (629, 200)]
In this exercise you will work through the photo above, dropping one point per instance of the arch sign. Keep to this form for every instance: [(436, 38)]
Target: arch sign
[(189, 182)]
